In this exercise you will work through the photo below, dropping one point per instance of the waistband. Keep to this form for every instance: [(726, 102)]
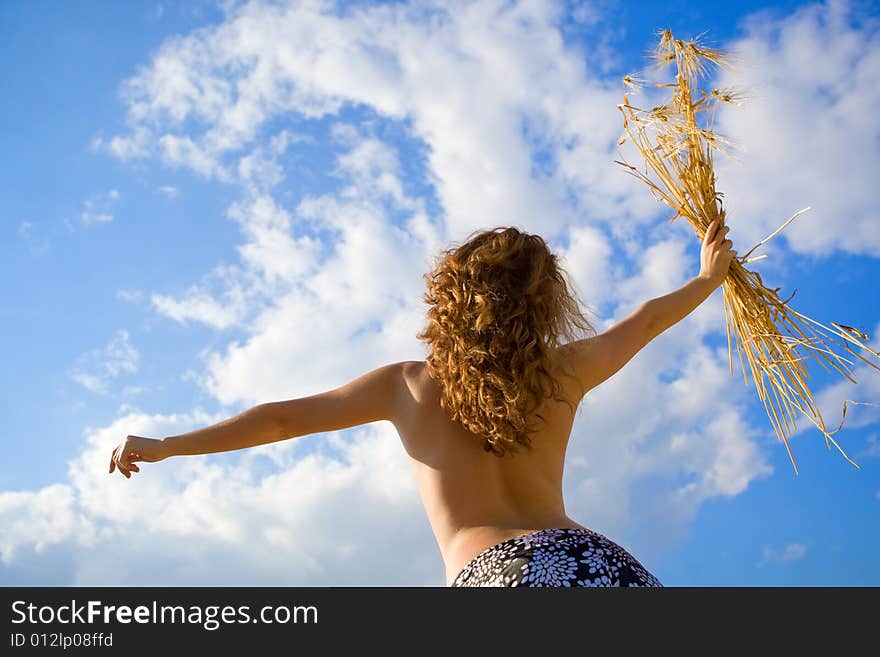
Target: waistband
[(531, 539)]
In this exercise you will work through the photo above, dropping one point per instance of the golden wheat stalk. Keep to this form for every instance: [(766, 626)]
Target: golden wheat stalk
[(775, 338)]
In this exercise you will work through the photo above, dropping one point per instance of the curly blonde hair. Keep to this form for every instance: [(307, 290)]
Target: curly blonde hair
[(499, 304)]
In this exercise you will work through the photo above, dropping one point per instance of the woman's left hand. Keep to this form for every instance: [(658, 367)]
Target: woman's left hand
[(133, 449)]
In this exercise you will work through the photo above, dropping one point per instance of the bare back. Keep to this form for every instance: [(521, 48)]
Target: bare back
[(473, 498)]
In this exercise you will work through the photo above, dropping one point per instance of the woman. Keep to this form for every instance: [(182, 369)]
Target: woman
[(486, 418)]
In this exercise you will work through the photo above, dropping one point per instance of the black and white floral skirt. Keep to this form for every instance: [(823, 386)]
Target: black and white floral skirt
[(555, 557)]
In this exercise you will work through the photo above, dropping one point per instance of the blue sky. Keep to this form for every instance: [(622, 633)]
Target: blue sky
[(211, 205)]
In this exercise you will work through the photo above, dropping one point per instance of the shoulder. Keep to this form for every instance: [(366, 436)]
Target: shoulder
[(413, 374), (418, 386), (399, 379), (412, 369), (598, 357)]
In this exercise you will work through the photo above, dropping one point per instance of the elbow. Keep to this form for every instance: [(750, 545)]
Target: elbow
[(649, 319), (271, 418)]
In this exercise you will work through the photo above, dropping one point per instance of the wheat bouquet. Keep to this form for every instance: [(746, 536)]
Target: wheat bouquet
[(677, 141)]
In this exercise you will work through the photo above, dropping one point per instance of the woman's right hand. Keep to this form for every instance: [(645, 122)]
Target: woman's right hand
[(136, 448), (715, 255)]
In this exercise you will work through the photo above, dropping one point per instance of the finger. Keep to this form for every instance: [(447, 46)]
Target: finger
[(722, 232), (710, 231), (134, 468), (122, 467), (112, 464)]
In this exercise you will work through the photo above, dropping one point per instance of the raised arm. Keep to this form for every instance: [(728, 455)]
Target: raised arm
[(597, 358), (715, 258)]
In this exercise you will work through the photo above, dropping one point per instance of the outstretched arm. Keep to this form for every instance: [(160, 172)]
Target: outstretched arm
[(250, 428), (372, 397)]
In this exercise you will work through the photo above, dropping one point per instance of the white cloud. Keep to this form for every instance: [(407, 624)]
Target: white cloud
[(129, 295), (96, 210), (168, 190), (394, 60), (195, 305), (873, 449), (98, 368), (808, 135), (364, 295), (588, 261), (36, 520), (830, 401), (646, 451), (36, 245), (89, 381), (790, 553), (128, 391), (278, 268), (240, 289), (126, 148), (184, 152)]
